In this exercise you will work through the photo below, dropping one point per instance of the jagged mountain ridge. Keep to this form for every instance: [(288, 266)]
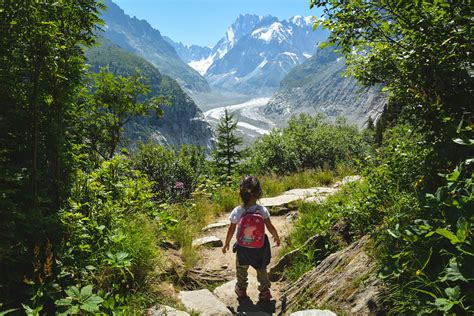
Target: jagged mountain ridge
[(182, 122), (256, 53), (139, 37), (318, 85), (201, 58)]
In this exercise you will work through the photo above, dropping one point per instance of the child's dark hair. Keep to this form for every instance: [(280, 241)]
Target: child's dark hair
[(249, 187)]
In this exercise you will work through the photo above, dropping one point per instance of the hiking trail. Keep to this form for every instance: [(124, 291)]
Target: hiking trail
[(222, 300)]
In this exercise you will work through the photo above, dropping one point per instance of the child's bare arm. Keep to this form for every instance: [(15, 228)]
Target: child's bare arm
[(273, 231), (230, 233)]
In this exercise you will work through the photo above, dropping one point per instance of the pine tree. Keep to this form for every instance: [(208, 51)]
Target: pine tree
[(370, 123), (226, 155)]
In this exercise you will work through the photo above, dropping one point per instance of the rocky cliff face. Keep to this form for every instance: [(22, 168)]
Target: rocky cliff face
[(137, 36), (318, 85), (182, 122)]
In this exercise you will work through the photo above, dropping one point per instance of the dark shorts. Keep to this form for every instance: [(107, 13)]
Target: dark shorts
[(258, 258)]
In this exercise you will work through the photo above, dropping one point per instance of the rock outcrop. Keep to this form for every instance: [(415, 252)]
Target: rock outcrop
[(345, 279)]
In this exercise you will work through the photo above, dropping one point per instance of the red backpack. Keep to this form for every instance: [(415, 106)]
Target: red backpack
[(251, 229)]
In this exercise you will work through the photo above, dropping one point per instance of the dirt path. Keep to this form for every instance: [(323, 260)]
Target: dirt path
[(212, 259)]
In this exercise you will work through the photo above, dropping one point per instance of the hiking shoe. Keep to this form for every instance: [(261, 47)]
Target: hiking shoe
[(265, 295), (241, 293)]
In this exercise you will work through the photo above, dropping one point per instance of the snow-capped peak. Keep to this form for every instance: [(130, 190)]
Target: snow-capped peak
[(301, 20), (274, 31)]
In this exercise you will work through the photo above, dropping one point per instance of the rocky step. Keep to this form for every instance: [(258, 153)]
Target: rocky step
[(215, 226), (314, 312), (212, 241), (285, 202), (160, 310), (203, 302)]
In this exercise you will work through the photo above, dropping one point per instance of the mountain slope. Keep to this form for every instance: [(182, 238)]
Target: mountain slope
[(182, 122), (318, 86), (137, 36), (265, 51)]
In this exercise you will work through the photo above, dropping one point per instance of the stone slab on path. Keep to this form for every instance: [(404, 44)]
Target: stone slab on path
[(280, 200), (346, 180), (215, 225), (280, 204), (203, 302), (208, 241), (226, 292), (314, 312), (249, 306), (160, 310)]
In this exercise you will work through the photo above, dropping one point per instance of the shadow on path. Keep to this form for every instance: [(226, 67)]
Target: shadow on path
[(261, 308)]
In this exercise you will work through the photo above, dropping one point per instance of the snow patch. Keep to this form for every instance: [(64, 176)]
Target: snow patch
[(268, 33), (202, 65), (262, 64), (301, 21), (230, 35)]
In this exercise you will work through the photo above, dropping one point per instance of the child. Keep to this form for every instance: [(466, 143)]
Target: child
[(252, 246)]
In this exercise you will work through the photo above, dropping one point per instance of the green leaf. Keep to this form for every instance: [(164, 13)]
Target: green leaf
[(63, 301), (453, 176), (446, 233), (443, 304), (452, 272), (86, 291), (73, 292), (94, 299), (463, 229), (453, 292)]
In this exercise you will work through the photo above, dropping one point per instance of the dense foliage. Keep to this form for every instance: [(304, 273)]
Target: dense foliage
[(41, 64), (308, 143), (175, 173), (416, 199)]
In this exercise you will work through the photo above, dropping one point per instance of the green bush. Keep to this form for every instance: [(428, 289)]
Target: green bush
[(175, 173), (428, 261), (308, 143), (110, 238)]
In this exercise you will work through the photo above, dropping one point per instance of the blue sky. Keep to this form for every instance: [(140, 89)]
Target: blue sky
[(204, 22)]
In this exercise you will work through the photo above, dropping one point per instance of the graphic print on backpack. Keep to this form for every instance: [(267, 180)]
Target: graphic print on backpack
[(251, 230)]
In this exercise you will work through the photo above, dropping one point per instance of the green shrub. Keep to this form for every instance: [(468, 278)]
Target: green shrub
[(428, 260), (308, 143), (175, 173), (110, 237)]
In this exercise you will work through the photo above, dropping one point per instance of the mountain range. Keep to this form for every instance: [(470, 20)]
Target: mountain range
[(319, 86), (255, 53), (139, 37)]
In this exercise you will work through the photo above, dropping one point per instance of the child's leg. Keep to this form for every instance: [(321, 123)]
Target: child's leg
[(242, 274), (263, 279)]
